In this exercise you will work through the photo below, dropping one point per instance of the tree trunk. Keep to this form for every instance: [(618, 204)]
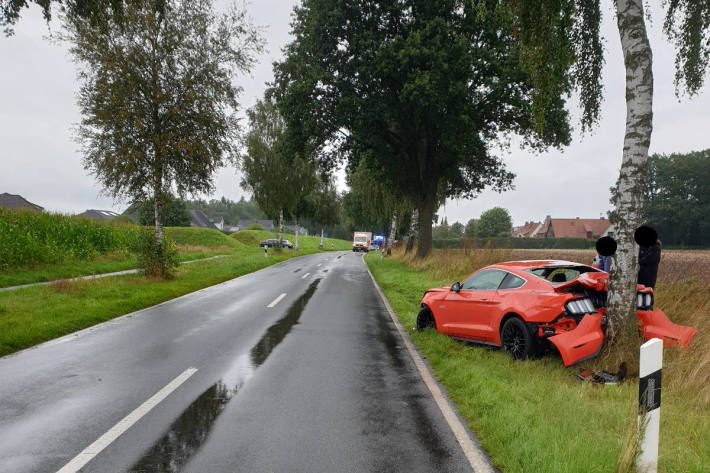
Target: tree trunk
[(321, 237), (621, 299), (281, 226), (412, 228), (426, 214), (157, 211), (295, 223), (393, 229)]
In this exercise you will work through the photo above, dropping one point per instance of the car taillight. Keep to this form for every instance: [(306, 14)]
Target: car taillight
[(580, 306), (644, 301)]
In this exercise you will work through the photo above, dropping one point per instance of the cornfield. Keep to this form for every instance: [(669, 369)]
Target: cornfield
[(30, 238)]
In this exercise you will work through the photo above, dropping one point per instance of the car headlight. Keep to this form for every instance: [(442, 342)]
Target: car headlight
[(580, 306)]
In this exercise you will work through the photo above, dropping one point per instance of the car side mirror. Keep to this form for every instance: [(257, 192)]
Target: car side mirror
[(456, 287)]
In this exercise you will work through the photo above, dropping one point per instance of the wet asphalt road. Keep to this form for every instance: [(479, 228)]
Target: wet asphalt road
[(320, 382)]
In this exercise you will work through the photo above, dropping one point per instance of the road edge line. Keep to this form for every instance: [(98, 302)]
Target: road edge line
[(470, 445)]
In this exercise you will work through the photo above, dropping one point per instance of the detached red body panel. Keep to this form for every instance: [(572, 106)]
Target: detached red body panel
[(557, 303), (655, 324)]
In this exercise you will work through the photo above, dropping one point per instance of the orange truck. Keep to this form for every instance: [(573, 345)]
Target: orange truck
[(362, 241)]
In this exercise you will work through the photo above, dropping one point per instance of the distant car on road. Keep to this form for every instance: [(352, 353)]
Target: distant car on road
[(528, 307), (274, 243)]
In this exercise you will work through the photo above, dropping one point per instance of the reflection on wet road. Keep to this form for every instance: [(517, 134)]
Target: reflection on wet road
[(189, 432)]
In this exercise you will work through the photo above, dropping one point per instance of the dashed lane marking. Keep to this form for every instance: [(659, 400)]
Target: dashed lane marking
[(76, 463), (277, 300)]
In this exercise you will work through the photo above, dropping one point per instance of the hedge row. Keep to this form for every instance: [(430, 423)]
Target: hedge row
[(518, 243)]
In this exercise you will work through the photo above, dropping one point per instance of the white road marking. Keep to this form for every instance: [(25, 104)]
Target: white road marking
[(277, 300), (305, 276), (318, 264), (476, 456), (106, 439)]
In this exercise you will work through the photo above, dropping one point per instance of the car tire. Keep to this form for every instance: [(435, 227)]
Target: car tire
[(425, 320), (515, 338)]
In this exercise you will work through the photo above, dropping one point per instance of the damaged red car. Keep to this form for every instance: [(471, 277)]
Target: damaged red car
[(530, 307)]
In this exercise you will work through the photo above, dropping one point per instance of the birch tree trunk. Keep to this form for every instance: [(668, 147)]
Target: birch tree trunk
[(281, 226), (626, 217), (321, 237), (393, 229), (295, 223), (158, 214), (412, 228)]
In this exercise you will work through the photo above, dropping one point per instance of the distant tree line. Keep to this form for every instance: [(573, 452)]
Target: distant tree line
[(677, 197)]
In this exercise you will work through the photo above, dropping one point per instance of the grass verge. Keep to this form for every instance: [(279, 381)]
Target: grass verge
[(305, 243), (533, 416), (192, 244), (33, 315)]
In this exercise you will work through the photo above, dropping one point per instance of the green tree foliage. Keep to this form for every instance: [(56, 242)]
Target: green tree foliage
[(688, 27), (456, 230), (91, 10), (441, 231), (157, 97), (677, 197), (371, 203), (280, 179), (229, 210), (422, 88), (470, 230), (174, 212), (495, 222)]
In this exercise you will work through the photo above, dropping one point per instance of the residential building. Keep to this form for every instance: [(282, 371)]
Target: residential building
[(103, 215), (13, 201)]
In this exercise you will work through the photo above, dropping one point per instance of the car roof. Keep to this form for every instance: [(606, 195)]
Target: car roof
[(527, 264)]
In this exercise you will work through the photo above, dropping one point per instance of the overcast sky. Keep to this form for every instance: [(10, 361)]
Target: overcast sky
[(40, 160)]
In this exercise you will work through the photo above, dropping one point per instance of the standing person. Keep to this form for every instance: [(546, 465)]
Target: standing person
[(649, 258), (604, 262)]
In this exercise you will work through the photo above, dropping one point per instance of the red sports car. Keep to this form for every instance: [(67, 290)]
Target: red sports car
[(523, 306)]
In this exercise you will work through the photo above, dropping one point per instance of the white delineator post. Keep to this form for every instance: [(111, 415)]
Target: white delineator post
[(650, 366)]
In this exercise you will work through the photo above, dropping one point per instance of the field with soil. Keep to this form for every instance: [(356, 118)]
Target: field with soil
[(533, 416)]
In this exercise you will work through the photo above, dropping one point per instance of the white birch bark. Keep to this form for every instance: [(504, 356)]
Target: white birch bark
[(281, 226), (621, 304), (412, 229), (295, 222), (393, 229), (321, 237)]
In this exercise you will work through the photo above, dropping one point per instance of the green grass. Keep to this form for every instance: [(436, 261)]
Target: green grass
[(37, 314), (533, 416), (305, 243), (200, 237)]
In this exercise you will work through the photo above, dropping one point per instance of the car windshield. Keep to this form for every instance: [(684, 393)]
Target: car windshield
[(360, 239), (561, 274)]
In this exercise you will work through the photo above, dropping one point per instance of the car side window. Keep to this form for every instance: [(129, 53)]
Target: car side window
[(487, 280), (511, 281)]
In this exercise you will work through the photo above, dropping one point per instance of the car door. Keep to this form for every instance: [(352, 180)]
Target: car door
[(471, 308)]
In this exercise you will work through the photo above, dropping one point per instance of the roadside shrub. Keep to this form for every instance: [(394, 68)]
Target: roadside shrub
[(255, 226), (517, 243), (156, 260)]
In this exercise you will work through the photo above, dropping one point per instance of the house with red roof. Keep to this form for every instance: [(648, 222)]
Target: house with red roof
[(587, 228)]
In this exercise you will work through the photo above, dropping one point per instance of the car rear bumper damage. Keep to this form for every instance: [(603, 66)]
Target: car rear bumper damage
[(581, 343)]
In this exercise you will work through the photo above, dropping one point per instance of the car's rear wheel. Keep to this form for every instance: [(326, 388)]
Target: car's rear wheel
[(516, 339), (425, 319)]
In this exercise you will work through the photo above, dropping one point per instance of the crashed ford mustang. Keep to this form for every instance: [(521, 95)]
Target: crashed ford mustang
[(526, 307)]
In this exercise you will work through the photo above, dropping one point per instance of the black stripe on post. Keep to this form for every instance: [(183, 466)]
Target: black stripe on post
[(650, 392)]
